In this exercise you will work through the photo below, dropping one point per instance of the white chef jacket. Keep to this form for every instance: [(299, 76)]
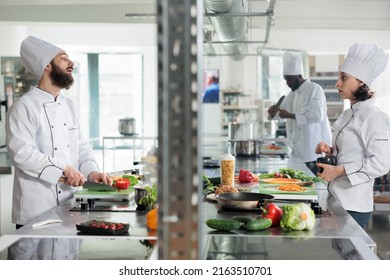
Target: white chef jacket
[(42, 138), (45, 249), (311, 123), (361, 142)]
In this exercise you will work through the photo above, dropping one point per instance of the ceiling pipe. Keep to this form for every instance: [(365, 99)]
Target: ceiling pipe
[(229, 28)]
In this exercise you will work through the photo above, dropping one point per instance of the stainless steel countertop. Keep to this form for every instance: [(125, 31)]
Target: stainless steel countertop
[(66, 231), (337, 225)]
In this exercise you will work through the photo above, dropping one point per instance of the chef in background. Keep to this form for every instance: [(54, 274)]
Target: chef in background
[(361, 134), (43, 136), (305, 111)]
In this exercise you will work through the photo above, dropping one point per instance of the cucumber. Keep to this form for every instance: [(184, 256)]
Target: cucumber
[(258, 224), (221, 224), (242, 219)]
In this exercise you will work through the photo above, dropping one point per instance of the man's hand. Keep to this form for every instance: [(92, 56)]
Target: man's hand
[(285, 114), (272, 111), (73, 177), (98, 177)]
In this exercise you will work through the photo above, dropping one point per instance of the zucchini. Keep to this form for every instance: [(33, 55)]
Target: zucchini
[(242, 219), (258, 224), (221, 224)]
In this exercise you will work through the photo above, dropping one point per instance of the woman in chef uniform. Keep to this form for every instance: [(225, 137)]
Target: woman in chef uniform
[(43, 137), (361, 134)]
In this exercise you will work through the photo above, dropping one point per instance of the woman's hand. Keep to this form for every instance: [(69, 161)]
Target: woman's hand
[(330, 172), (99, 177), (322, 147)]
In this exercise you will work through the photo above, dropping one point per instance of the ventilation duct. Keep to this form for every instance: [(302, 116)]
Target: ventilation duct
[(229, 28)]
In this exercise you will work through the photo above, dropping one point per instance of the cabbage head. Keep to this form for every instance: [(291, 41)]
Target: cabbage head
[(297, 216)]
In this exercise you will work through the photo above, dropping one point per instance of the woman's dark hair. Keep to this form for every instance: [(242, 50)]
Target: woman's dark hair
[(363, 93)]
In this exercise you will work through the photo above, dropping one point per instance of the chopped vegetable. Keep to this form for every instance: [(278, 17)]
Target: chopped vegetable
[(133, 179), (245, 176), (122, 183), (273, 212), (297, 216), (291, 188), (290, 173)]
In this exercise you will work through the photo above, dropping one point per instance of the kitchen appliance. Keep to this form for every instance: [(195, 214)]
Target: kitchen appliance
[(127, 126), (246, 148), (243, 131)]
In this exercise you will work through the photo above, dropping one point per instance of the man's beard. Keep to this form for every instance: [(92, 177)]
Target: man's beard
[(295, 84), (60, 78)]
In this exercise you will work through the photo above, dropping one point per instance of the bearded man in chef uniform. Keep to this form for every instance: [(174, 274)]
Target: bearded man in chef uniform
[(305, 111), (43, 136)]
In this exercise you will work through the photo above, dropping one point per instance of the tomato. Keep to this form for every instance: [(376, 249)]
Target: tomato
[(113, 226), (122, 183), (119, 226)]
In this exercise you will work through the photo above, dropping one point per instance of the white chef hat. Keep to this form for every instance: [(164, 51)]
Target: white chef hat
[(292, 64), (36, 54), (365, 62)]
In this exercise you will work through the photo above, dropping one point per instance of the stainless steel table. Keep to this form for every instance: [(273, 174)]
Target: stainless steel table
[(134, 245), (334, 224)]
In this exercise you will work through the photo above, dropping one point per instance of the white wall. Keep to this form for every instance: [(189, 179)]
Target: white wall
[(78, 38)]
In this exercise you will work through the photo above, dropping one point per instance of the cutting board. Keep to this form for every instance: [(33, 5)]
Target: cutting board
[(118, 194), (308, 194)]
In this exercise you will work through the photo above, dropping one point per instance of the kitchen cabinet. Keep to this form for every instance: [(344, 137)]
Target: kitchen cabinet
[(236, 106), (335, 104)]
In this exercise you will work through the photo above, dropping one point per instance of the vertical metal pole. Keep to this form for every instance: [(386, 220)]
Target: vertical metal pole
[(178, 176)]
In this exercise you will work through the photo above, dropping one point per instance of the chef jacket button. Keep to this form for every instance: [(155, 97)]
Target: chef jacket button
[(59, 191), (55, 148), (52, 126), (65, 124), (67, 145)]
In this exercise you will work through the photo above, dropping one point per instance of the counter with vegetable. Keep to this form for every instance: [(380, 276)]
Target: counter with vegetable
[(117, 220), (283, 220)]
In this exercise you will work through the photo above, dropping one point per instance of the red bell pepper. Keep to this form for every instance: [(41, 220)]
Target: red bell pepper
[(273, 212), (245, 176)]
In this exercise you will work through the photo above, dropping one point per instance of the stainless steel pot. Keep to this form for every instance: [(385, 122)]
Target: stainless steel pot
[(246, 148), (127, 126), (243, 131)]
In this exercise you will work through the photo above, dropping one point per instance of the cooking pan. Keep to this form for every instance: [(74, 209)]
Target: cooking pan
[(242, 200)]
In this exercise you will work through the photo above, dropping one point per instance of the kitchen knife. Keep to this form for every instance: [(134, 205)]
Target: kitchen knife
[(92, 186), (122, 172), (277, 105)]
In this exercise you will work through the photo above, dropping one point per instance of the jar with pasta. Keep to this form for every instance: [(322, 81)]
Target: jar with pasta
[(227, 165)]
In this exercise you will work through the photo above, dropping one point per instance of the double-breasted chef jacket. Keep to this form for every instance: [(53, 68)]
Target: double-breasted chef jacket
[(43, 136), (311, 123), (361, 142)]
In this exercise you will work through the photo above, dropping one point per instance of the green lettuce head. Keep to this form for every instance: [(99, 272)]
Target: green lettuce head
[(298, 216)]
